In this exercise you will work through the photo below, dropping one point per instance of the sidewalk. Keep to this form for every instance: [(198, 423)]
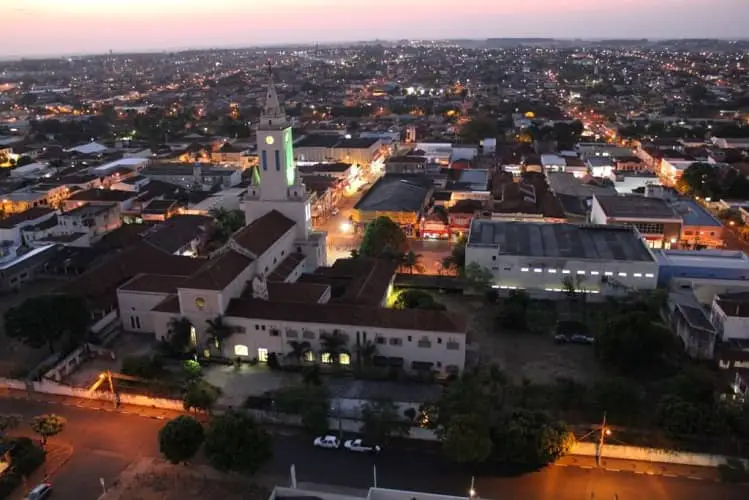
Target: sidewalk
[(640, 467), (90, 404)]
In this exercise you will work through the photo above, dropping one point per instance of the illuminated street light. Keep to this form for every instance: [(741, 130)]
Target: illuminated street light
[(346, 227)]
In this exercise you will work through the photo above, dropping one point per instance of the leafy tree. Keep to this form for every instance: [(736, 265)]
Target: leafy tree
[(466, 439), (513, 314), (51, 320), (298, 349), (365, 353), (235, 442), (456, 261), (416, 299), (8, 423), (192, 371), (218, 330), (529, 437), (477, 277), (47, 426), (311, 375), (636, 345), (678, 417), (180, 335), (480, 128), (381, 420), (180, 439), (412, 261), (334, 344), (200, 396), (383, 238), (701, 179), (227, 222), (620, 398), (309, 401)]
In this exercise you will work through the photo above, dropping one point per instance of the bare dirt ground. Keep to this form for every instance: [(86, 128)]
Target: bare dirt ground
[(16, 358), (152, 479), (534, 356)]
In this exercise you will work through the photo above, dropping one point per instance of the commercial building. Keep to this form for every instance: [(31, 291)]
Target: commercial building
[(334, 148), (654, 218), (537, 256), (189, 176), (729, 313), (700, 229), (701, 264), (402, 198)]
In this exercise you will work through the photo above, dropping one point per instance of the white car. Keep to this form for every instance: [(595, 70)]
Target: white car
[(40, 492), (360, 446), (331, 442)]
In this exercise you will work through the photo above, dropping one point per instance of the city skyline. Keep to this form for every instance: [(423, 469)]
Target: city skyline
[(51, 28)]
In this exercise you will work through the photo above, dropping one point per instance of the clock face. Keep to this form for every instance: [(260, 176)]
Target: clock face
[(269, 140)]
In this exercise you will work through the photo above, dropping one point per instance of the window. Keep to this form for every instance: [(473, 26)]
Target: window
[(308, 335), (396, 341), (409, 338), (278, 160), (380, 340), (309, 357), (650, 228), (452, 345), (424, 342), (274, 333), (622, 275), (552, 271), (594, 273), (193, 336), (262, 355), (326, 358), (581, 272), (538, 270), (264, 160), (566, 271), (649, 275), (344, 359), (608, 273), (524, 269), (637, 275), (292, 334), (257, 327), (241, 350), (494, 257)]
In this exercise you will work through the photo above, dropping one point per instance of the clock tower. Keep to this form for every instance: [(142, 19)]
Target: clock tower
[(279, 186)]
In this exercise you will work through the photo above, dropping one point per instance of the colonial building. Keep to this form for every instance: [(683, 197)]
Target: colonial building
[(268, 284)]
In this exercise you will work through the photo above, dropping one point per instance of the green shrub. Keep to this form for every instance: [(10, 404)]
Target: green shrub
[(148, 367), (9, 481), (26, 457)]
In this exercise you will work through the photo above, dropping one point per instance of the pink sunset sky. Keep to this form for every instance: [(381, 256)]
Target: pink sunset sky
[(62, 27)]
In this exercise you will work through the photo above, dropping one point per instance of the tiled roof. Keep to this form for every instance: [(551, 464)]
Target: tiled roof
[(25, 216), (338, 314), (286, 266), (296, 292), (178, 231), (364, 281), (103, 195), (219, 272), (259, 236), (156, 283), (168, 305)]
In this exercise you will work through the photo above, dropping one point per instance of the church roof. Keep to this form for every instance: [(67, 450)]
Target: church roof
[(259, 236)]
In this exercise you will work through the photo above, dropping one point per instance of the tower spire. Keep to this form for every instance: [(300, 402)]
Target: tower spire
[(272, 111)]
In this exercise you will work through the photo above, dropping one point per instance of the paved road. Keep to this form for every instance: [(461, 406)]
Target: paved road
[(105, 442)]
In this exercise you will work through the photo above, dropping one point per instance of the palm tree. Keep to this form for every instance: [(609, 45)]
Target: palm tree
[(298, 349), (180, 334), (334, 344), (218, 331), (411, 261), (365, 353)]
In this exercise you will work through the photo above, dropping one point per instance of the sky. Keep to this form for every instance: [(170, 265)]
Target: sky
[(69, 27)]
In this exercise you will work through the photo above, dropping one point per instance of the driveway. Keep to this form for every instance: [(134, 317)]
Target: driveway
[(237, 384)]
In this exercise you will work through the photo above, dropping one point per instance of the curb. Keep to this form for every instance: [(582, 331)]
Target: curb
[(85, 407), (639, 472)]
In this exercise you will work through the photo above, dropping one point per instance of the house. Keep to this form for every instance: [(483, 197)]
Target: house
[(11, 227), (95, 220), (729, 312), (124, 199)]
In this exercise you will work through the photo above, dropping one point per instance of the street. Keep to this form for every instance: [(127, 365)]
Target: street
[(106, 442)]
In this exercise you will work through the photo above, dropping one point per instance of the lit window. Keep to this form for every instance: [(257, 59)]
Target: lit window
[(326, 358), (241, 350), (309, 356), (565, 271), (608, 273), (538, 270), (623, 275), (581, 272), (649, 275), (524, 269), (344, 359), (637, 275), (594, 273), (193, 336), (552, 271), (262, 355)]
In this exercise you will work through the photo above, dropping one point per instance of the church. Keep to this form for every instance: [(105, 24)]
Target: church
[(270, 286)]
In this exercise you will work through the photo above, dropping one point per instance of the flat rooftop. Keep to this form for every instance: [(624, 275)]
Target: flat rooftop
[(693, 214), (570, 241), (724, 259), (396, 193), (636, 207)]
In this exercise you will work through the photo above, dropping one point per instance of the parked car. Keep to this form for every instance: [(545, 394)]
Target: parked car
[(360, 446), (335, 212), (561, 339), (582, 339), (331, 442), (40, 492)]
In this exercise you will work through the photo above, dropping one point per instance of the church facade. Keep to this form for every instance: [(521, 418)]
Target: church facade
[(270, 286)]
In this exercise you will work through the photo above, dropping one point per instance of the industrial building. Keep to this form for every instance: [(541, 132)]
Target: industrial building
[(402, 198), (607, 260)]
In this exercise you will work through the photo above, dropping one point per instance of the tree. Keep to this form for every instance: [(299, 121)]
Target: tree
[(180, 335), (478, 277), (480, 128), (679, 417), (334, 344), (412, 261), (235, 442), (365, 353), (24, 160), (310, 401), (51, 320), (8, 422), (383, 238), (456, 261), (227, 222), (466, 439), (635, 345), (148, 366), (513, 314), (416, 299), (218, 330), (529, 437), (620, 398), (700, 179), (47, 426), (200, 396), (298, 349), (381, 420), (180, 439)]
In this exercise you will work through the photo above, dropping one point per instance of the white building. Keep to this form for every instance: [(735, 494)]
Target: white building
[(729, 314), (260, 284), (538, 256)]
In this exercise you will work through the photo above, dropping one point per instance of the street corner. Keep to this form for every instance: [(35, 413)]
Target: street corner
[(58, 454)]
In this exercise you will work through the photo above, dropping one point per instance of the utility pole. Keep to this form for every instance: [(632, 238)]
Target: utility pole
[(604, 433)]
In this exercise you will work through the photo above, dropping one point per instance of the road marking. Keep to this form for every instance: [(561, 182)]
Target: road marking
[(639, 472), (695, 477), (669, 475), (586, 466), (650, 473)]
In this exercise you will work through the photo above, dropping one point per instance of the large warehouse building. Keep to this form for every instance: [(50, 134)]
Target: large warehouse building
[(606, 260)]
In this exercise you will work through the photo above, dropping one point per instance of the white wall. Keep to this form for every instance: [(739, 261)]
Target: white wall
[(597, 215), (729, 327), (138, 305)]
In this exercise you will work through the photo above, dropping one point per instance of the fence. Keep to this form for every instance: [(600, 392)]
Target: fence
[(650, 455), (69, 363)]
